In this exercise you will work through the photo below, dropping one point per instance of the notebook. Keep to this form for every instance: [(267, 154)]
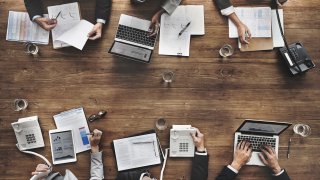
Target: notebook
[(70, 29), (137, 151), (171, 25)]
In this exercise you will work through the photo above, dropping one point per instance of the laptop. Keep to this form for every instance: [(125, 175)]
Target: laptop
[(132, 40), (260, 132)]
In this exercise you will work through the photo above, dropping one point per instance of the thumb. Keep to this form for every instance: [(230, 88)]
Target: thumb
[(91, 33)]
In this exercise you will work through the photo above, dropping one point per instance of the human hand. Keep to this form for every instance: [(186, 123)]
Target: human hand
[(269, 158), (46, 23), (242, 154), (95, 140), (244, 33), (198, 139), (96, 31), (155, 23), (41, 168)]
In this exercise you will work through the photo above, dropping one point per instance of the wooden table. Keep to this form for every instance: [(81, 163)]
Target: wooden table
[(207, 93)]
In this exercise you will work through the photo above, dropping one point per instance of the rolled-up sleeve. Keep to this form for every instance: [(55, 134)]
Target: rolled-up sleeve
[(170, 5), (96, 171), (225, 7)]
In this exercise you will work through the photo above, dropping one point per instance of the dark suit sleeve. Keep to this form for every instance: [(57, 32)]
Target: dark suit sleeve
[(222, 4), (34, 7), (283, 176), (226, 174), (103, 9), (200, 167)]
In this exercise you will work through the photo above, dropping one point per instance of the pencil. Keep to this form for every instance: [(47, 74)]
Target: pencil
[(288, 152)]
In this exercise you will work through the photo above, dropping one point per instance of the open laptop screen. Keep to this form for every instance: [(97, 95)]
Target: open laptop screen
[(263, 127)]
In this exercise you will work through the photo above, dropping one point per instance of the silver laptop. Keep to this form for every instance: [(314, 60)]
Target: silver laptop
[(132, 40), (260, 132)]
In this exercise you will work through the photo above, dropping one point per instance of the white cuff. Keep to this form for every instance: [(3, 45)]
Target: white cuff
[(279, 173), (142, 175), (202, 154), (227, 11), (233, 169), (35, 17), (101, 21)]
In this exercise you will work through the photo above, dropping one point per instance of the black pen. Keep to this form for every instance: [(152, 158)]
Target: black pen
[(184, 28), (288, 152), (58, 15)]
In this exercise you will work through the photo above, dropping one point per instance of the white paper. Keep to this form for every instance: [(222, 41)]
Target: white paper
[(137, 151), (75, 119), (171, 25), (257, 19), (276, 34), (78, 35), (21, 29), (69, 17)]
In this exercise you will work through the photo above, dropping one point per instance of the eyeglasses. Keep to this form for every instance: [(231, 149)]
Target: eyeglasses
[(100, 115)]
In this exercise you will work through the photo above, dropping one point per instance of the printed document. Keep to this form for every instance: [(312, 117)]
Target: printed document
[(22, 29), (257, 19), (75, 119), (170, 41), (137, 151), (70, 29), (276, 34)]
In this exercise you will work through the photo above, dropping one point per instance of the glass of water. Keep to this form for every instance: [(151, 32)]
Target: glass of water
[(161, 124), (226, 50), (32, 49), (167, 76), (20, 104), (302, 130)]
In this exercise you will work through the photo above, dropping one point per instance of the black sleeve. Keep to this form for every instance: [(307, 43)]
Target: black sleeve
[(226, 174), (222, 4), (34, 7), (199, 167), (283, 176), (103, 9)]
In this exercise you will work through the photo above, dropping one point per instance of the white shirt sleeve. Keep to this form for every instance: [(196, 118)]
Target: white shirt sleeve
[(202, 154), (233, 169), (279, 173), (101, 21), (227, 11), (35, 17)]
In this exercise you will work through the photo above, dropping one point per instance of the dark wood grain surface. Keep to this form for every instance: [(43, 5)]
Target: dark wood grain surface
[(208, 93)]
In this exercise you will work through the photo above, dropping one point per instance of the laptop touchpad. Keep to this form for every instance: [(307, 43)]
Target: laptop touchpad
[(131, 51)]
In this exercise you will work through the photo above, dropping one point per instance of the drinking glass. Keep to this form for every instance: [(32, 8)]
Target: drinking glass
[(20, 104), (167, 76), (161, 124), (302, 130), (226, 50), (32, 49)]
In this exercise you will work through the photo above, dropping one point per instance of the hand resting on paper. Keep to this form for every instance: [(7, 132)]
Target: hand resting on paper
[(96, 32), (46, 23)]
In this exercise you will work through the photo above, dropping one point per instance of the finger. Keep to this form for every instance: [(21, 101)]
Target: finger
[(243, 39), (34, 173), (97, 36), (265, 153), (193, 135), (246, 145), (249, 33), (242, 144), (268, 148), (50, 27), (91, 33), (262, 158)]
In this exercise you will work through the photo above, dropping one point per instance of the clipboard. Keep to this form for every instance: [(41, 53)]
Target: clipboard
[(257, 44)]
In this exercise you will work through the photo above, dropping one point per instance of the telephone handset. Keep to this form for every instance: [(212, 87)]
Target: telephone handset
[(181, 142), (28, 133)]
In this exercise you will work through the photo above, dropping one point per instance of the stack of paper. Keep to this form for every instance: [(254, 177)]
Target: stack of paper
[(170, 41), (75, 119), (70, 30), (21, 29)]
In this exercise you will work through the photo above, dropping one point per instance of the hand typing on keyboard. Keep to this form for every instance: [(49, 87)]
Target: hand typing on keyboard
[(242, 154), (269, 158)]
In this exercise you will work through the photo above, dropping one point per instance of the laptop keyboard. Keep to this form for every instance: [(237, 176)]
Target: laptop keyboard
[(257, 141), (135, 35)]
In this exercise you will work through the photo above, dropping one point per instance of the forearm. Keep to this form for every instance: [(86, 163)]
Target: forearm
[(234, 18), (34, 7), (96, 171), (103, 8), (170, 6)]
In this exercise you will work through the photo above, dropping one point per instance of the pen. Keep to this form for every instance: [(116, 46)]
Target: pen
[(288, 152), (58, 15), (184, 28)]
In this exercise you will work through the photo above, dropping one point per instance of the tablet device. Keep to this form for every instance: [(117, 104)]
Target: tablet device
[(62, 146)]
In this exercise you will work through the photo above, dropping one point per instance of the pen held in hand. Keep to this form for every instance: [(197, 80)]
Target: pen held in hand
[(58, 15), (184, 29)]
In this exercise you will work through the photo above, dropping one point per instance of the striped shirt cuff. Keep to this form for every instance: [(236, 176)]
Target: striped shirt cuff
[(101, 21), (227, 11)]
